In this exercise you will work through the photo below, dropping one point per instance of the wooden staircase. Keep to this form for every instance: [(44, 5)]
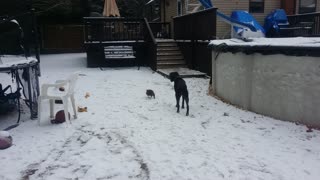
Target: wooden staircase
[(169, 55)]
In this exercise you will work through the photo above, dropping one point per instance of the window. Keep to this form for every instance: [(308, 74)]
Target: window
[(256, 6), (179, 7), (307, 6)]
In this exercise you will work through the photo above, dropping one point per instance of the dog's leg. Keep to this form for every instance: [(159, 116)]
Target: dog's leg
[(184, 98), (178, 100), (187, 104), (182, 106)]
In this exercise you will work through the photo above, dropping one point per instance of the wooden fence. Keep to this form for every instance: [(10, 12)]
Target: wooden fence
[(62, 38)]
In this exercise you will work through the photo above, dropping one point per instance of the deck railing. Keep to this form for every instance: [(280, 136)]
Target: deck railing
[(151, 46), (192, 33), (196, 26), (161, 30), (121, 29), (101, 31), (309, 21), (112, 29)]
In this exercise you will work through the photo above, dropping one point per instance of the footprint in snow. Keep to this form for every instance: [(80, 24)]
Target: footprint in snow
[(87, 152)]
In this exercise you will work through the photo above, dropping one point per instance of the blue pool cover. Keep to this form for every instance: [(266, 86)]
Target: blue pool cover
[(245, 17)]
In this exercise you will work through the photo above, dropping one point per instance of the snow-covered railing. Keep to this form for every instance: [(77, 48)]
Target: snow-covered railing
[(112, 29)]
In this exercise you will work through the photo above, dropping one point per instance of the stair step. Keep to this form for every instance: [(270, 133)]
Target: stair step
[(168, 48), (169, 53), (167, 44), (175, 62), (168, 58)]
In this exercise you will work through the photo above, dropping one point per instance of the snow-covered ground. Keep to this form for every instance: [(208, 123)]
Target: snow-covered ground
[(125, 135)]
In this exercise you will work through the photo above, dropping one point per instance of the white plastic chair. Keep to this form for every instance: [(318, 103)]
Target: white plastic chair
[(52, 92)]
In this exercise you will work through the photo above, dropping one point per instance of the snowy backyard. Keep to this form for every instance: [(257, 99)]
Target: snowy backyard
[(126, 135)]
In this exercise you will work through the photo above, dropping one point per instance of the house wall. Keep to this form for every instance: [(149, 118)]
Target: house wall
[(170, 11), (283, 87), (227, 6)]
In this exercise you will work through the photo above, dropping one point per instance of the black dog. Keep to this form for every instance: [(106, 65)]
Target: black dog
[(180, 89), (150, 93)]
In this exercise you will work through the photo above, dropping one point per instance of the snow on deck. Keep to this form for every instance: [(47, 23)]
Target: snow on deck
[(126, 135)]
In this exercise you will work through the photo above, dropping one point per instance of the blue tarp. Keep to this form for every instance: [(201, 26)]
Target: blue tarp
[(274, 20), (239, 20), (206, 3), (245, 17), (235, 22)]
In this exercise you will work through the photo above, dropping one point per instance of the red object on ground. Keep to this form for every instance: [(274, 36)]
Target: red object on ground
[(59, 118), (5, 140)]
